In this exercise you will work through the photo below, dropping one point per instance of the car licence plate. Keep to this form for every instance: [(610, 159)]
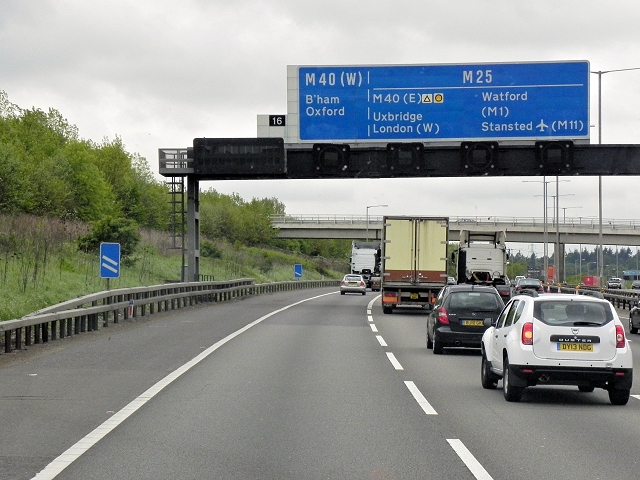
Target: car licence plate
[(473, 323), (413, 296), (575, 347)]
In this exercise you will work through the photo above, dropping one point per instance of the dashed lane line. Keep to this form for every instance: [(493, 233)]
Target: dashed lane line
[(469, 460), (394, 361), (461, 450), (424, 404)]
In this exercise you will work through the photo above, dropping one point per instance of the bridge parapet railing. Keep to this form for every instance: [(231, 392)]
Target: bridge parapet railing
[(574, 222), (91, 312)]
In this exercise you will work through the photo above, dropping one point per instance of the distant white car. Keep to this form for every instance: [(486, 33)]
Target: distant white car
[(557, 339), (614, 282)]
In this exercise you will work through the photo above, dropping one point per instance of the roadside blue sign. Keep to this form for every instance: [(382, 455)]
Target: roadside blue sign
[(109, 260), (519, 101), (297, 270)]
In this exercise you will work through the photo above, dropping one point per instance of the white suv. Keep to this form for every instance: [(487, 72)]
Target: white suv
[(556, 339)]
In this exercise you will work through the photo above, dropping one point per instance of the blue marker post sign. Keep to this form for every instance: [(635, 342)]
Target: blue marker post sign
[(502, 101), (109, 260), (297, 270)]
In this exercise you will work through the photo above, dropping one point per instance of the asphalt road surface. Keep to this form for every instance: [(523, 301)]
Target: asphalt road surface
[(295, 385)]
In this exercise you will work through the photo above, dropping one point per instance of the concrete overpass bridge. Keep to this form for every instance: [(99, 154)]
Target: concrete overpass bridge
[(577, 230)]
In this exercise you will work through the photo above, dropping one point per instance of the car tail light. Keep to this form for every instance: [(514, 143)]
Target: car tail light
[(443, 316), (527, 334), (362, 284), (620, 342)]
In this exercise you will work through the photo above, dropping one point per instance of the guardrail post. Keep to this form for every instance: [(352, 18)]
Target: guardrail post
[(7, 341), (19, 337)]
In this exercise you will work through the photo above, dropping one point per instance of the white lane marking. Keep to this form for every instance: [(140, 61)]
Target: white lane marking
[(636, 396), (370, 318), (370, 304), (75, 451), (426, 406), (381, 340), (373, 327), (469, 460), (394, 361)]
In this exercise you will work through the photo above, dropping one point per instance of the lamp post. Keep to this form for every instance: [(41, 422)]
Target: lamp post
[(546, 238), (600, 73), (546, 231), (368, 207)]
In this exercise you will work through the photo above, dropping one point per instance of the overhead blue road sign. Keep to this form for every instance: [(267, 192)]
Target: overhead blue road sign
[(109, 260), (520, 101)]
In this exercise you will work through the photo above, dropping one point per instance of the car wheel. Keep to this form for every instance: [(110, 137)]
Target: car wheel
[(586, 388), (364, 293), (632, 329), (429, 341), (488, 378), (511, 393), (341, 293), (437, 346), (619, 397)]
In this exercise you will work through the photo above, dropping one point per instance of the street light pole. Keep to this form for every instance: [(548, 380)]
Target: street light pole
[(368, 207), (600, 73)]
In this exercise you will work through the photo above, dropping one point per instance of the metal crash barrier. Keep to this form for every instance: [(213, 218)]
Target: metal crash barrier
[(91, 312)]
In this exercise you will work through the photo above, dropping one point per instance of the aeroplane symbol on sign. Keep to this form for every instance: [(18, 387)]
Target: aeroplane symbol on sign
[(542, 126)]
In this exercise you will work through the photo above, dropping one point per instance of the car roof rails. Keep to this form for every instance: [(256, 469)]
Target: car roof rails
[(592, 293)]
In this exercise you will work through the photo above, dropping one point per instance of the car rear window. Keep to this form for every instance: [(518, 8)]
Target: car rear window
[(563, 312), (474, 301), (352, 278), (529, 282)]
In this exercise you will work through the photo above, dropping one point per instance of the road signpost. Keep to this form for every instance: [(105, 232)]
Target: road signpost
[(431, 103), (297, 271), (109, 261)]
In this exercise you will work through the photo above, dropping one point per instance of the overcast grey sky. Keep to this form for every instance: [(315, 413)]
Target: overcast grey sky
[(159, 73)]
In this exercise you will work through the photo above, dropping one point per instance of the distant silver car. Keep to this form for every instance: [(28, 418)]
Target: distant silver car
[(352, 283)]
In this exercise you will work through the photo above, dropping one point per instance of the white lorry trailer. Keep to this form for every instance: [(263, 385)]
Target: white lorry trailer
[(482, 258)]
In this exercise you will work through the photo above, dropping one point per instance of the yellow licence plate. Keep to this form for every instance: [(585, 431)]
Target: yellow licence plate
[(413, 296), (473, 323), (575, 347)]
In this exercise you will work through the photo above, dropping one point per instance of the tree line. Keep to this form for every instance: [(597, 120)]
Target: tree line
[(48, 170)]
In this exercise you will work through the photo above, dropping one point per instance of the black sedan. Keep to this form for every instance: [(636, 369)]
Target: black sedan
[(460, 316)]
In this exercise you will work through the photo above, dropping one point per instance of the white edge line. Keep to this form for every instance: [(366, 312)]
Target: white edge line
[(370, 318), (469, 460), (394, 361), (636, 396), (381, 341), (79, 448), (374, 329), (426, 406)]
